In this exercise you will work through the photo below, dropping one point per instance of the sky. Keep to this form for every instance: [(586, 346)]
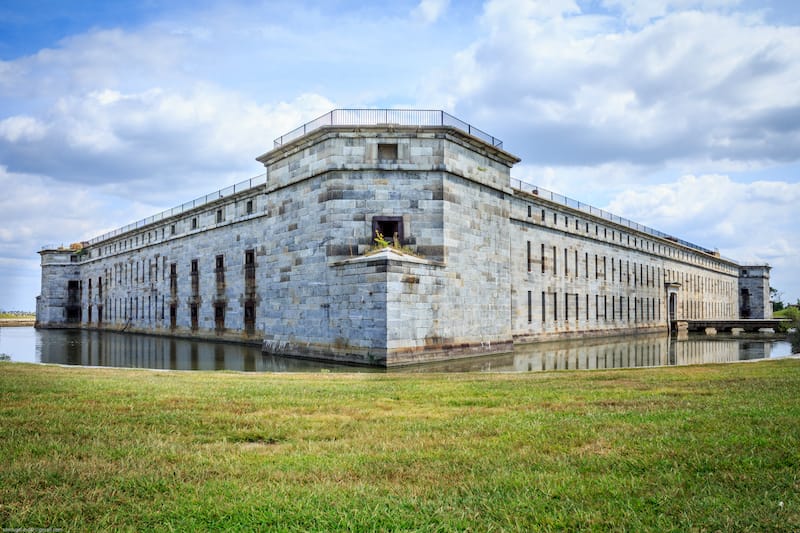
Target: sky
[(683, 115)]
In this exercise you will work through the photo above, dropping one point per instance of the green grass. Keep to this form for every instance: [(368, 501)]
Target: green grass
[(704, 448), (18, 315)]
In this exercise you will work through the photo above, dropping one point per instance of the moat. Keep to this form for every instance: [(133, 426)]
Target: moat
[(109, 349)]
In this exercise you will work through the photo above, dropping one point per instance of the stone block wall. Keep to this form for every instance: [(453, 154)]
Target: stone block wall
[(754, 297), (577, 274)]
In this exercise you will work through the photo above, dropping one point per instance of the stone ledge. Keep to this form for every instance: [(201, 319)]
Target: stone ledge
[(387, 254)]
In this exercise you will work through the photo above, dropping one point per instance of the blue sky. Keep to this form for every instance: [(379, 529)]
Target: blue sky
[(680, 114)]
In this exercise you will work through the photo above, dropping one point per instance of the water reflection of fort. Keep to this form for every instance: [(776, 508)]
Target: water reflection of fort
[(141, 351)]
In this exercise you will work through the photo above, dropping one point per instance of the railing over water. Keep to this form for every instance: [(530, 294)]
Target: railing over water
[(374, 117), (586, 208)]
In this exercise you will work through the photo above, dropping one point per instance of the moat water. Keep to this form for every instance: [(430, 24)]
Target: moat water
[(108, 349)]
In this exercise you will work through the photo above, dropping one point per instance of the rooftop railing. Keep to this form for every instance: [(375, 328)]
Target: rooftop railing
[(586, 208), (374, 117), (188, 206)]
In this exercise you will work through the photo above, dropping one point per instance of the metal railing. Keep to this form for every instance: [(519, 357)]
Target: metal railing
[(586, 208), (399, 117), (188, 206)]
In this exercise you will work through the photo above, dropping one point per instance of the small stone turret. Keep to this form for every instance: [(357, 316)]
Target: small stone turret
[(754, 292)]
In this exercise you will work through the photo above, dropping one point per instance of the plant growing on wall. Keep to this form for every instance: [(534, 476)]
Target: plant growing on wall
[(381, 243)]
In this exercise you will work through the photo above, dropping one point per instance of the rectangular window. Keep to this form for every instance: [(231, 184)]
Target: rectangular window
[(219, 269), (543, 261), (172, 229), (219, 317), (529, 211), (529, 256), (249, 317), (387, 152), (193, 316), (544, 316), (194, 223), (555, 262), (195, 277), (576, 263), (566, 262), (219, 216), (530, 307), (391, 228), (249, 207), (555, 306), (566, 307)]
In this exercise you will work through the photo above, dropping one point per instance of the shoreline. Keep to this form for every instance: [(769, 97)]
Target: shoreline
[(17, 322)]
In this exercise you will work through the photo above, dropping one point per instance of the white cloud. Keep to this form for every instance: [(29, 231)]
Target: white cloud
[(751, 222), (22, 127), (429, 11), (190, 138), (577, 90)]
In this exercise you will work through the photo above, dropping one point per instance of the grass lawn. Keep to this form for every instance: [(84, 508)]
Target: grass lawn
[(702, 448)]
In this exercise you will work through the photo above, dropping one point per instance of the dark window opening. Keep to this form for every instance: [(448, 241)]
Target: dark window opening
[(193, 315), (250, 272), (194, 223), (219, 317), (387, 152), (249, 207), (391, 228), (219, 216), (195, 277), (220, 270), (530, 307), (249, 318)]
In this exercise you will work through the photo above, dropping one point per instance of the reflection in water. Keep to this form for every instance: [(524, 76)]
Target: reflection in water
[(93, 348), (621, 352), (104, 348)]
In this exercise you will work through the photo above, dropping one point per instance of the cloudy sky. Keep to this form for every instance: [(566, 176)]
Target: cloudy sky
[(680, 114)]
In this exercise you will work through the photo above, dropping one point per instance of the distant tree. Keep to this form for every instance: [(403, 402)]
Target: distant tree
[(776, 298)]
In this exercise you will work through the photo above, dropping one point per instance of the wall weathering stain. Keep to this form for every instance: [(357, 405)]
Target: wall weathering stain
[(481, 261)]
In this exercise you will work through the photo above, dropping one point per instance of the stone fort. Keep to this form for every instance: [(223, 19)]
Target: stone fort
[(476, 260)]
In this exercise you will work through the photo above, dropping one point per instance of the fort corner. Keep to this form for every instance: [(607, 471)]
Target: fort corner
[(478, 260)]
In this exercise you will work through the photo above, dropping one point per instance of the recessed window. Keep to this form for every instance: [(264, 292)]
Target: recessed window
[(219, 216), (387, 152), (249, 207), (194, 223), (391, 228)]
